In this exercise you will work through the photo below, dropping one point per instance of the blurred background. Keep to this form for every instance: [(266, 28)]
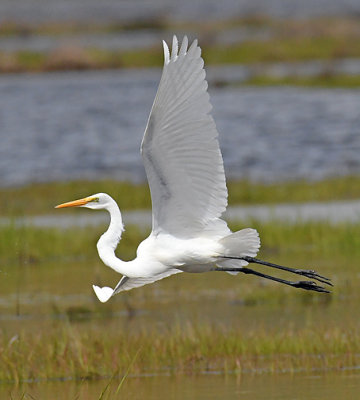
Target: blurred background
[(77, 81)]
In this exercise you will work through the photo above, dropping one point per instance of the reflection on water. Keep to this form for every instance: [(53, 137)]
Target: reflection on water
[(331, 386), (90, 125)]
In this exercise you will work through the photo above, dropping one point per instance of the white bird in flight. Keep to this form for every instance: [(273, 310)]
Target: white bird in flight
[(185, 171)]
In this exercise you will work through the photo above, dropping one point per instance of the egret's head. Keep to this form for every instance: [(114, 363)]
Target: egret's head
[(97, 201)]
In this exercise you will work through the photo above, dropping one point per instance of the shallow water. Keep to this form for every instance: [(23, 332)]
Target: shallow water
[(330, 386), (90, 125)]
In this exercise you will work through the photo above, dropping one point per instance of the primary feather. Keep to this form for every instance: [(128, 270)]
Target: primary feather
[(180, 148)]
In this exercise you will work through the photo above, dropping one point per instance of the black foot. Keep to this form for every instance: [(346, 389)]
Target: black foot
[(309, 285), (308, 273), (306, 285)]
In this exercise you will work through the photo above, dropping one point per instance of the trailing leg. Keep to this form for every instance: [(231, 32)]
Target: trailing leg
[(306, 285), (304, 272)]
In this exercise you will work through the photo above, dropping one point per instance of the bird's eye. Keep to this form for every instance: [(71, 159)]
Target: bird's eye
[(94, 200)]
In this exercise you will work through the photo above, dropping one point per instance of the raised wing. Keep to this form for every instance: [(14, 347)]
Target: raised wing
[(180, 148)]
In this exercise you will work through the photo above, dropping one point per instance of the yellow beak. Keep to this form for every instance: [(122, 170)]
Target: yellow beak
[(76, 203)]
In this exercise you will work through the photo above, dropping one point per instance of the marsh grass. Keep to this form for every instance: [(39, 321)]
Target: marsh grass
[(26, 245), (106, 392), (40, 198), (249, 52), (286, 40), (305, 27), (43, 197), (69, 351), (187, 324)]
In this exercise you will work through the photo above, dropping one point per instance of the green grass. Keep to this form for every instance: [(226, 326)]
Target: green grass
[(282, 49), (287, 41), (327, 39), (338, 188), (73, 352), (275, 50), (189, 323), (41, 198), (36, 246), (53, 28)]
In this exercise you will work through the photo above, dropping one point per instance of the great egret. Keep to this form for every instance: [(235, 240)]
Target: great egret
[(184, 167)]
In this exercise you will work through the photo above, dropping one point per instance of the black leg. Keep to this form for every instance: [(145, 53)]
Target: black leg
[(306, 285), (304, 272)]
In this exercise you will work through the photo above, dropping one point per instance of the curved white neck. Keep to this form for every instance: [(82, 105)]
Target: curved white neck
[(109, 240)]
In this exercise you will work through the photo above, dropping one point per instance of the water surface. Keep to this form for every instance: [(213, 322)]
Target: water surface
[(68, 125), (330, 386)]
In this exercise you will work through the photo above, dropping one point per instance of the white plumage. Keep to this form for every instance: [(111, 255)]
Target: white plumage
[(185, 171), (180, 149)]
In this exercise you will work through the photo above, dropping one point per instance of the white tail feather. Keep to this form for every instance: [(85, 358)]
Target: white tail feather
[(239, 244)]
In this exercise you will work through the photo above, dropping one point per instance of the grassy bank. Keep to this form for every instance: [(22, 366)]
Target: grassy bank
[(54, 327), (41, 198), (261, 40), (275, 50)]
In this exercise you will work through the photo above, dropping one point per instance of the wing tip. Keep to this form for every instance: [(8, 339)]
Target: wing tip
[(175, 51), (104, 293)]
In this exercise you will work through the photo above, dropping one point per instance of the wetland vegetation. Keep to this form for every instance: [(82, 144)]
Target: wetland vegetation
[(40, 198), (53, 327), (255, 40)]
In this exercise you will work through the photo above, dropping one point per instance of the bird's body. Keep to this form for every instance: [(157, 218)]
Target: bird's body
[(163, 254), (185, 171)]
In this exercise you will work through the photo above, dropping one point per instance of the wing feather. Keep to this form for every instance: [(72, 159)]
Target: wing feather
[(126, 283), (180, 147), (131, 283)]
